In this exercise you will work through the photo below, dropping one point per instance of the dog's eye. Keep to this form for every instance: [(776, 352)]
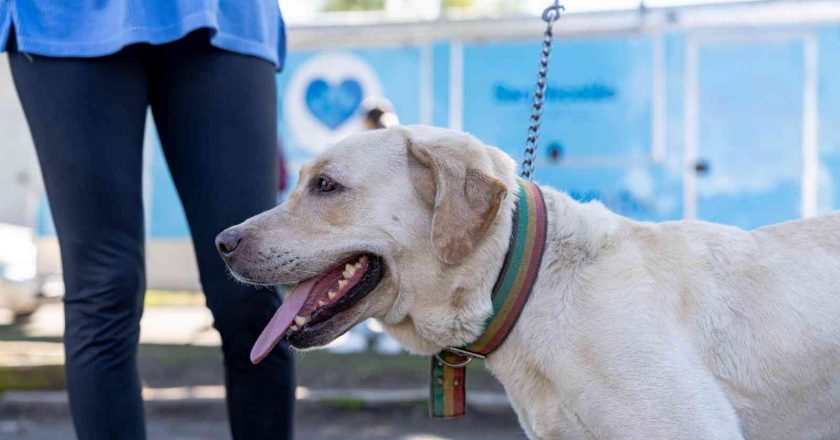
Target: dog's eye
[(325, 184)]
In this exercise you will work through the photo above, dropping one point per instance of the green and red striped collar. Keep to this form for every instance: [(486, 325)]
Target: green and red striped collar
[(447, 397)]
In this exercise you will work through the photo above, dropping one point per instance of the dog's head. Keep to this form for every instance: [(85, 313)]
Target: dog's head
[(405, 225)]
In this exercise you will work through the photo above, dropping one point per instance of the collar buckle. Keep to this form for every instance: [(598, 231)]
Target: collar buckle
[(469, 355)]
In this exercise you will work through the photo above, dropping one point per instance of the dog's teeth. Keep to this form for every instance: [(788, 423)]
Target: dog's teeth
[(349, 270), (358, 265), (294, 328), (331, 295), (321, 303), (300, 320), (341, 284)]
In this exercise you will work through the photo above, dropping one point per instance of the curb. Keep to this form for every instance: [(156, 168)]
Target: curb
[(211, 399)]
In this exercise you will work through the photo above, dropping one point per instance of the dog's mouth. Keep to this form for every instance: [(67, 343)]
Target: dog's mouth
[(315, 301)]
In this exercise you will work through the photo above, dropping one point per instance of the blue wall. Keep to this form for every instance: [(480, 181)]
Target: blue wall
[(598, 119), (829, 118)]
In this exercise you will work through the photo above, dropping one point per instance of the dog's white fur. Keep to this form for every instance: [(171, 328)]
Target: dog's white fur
[(678, 330)]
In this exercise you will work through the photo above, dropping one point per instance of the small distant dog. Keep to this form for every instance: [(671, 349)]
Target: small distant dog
[(680, 330)]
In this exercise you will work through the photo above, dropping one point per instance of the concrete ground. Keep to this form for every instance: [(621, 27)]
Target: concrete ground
[(341, 396), (180, 324), (337, 424), (179, 347)]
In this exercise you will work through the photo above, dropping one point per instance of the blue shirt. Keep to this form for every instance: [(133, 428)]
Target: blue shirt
[(89, 28)]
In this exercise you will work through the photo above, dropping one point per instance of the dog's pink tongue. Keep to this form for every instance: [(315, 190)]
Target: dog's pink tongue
[(282, 319)]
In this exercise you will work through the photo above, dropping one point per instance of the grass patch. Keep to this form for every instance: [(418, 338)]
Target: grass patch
[(187, 365), (351, 404), (321, 369), (39, 377), (173, 298), (15, 333)]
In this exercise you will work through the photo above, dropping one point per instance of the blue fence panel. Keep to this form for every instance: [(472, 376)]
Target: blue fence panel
[(829, 119), (597, 140), (750, 131)]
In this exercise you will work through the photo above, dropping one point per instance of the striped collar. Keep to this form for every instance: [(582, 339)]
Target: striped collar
[(447, 397)]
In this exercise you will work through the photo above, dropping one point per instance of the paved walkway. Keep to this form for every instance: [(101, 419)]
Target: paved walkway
[(362, 405), (185, 325), (311, 424)]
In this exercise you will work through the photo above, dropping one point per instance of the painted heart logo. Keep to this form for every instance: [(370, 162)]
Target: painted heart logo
[(333, 105)]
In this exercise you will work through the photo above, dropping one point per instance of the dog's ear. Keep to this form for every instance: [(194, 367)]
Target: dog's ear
[(466, 199)]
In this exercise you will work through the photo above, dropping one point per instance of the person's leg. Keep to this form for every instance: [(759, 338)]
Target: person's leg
[(86, 117), (216, 116)]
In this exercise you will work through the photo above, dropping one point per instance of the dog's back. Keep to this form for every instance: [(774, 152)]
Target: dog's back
[(766, 320)]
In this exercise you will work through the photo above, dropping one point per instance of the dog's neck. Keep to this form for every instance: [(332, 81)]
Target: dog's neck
[(459, 320), (576, 234), (577, 231), (572, 236)]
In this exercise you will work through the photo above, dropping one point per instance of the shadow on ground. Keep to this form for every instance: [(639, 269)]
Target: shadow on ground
[(172, 365), (33, 360)]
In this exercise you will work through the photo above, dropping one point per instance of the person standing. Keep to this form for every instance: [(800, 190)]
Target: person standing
[(86, 72)]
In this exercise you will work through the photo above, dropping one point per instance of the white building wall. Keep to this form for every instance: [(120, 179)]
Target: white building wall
[(20, 181)]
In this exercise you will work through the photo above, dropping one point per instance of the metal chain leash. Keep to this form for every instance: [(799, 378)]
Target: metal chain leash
[(549, 16)]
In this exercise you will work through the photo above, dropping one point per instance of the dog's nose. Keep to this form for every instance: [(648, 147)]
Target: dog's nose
[(228, 241)]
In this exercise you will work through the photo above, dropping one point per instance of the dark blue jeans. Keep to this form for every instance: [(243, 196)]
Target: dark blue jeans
[(215, 112)]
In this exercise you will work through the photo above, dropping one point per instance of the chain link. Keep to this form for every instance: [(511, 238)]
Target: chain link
[(549, 15)]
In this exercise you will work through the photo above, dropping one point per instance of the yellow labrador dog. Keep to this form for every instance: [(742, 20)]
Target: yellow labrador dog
[(678, 330)]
